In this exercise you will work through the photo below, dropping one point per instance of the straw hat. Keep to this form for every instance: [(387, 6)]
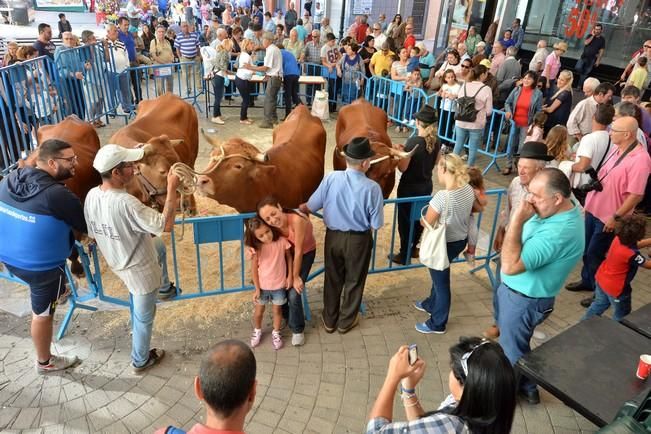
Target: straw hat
[(562, 45)]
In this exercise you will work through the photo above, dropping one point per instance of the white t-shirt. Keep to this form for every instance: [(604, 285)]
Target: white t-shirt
[(123, 228), (273, 59), (457, 211), (593, 146), (446, 104), (242, 72)]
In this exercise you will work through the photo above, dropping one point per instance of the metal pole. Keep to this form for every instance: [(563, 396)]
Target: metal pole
[(341, 22)]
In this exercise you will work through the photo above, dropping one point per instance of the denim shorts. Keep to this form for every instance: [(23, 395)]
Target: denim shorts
[(45, 287), (273, 296)]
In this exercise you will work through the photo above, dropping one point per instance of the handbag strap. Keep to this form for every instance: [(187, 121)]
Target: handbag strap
[(443, 214)]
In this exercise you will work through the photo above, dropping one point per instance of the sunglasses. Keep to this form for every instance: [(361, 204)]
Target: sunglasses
[(465, 66)]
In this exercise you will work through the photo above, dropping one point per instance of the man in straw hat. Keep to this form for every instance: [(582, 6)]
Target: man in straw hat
[(542, 245), (352, 207), (123, 226)]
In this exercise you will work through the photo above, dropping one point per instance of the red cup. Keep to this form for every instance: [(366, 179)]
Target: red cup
[(644, 367)]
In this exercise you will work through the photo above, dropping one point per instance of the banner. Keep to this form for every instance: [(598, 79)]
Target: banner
[(59, 4)]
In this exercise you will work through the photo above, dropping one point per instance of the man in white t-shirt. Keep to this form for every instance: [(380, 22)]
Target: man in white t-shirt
[(593, 148), (123, 227), (273, 69)]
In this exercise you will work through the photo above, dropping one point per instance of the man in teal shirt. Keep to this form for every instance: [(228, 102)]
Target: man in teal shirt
[(543, 243)]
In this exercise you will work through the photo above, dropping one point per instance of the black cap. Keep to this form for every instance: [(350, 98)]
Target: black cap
[(427, 114), (535, 151), (359, 149)]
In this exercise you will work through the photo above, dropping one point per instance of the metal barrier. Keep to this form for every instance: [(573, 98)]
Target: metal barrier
[(399, 104), (184, 79), (216, 238)]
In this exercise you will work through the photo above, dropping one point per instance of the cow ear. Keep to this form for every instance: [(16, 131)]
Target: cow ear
[(148, 148), (264, 173)]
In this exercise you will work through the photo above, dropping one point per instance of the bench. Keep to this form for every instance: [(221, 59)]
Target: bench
[(21, 41)]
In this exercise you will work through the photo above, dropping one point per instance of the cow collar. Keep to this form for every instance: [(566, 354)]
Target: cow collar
[(152, 192)]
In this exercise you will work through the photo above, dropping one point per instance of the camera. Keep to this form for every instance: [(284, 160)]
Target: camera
[(594, 184)]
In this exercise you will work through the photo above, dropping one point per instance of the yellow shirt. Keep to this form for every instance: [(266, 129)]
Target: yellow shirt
[(381, 62), (638, 77)]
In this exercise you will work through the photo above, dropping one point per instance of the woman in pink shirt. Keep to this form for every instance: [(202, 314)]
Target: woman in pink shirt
[(298, 230), (553, 64)]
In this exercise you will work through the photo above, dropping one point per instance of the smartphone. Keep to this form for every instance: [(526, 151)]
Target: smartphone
[(413, 353)]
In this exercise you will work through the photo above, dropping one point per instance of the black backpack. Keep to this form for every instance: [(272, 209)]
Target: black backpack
[(466, 111)]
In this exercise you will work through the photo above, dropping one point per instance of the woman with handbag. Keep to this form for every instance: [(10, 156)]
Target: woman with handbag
[(219, 76), (161, 53), (446, 234)]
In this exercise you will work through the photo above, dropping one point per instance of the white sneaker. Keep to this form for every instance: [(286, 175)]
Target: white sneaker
[(298, 339), (539, 335), (276, 340), (57, 363), (255, 337), (217, 120)]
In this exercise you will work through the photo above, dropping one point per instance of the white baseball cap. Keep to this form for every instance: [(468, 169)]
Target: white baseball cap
[(111, 155)]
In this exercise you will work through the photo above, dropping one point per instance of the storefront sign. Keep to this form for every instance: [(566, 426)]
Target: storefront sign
[(584, 15), (361, 7), (57, 4)]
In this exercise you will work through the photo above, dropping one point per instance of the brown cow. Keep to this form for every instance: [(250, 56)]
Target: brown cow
[(361, 119), (170, 128), (240, 175)]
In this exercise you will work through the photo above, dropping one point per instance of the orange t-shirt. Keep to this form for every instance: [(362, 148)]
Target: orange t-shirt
[(309, 242)]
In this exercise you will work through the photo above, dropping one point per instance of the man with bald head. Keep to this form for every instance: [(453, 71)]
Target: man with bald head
[(497, 58), (538, 59), (542, 245), (226, 384), (622, 178)]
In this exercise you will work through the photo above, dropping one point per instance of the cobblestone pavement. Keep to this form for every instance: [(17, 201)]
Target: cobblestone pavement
[(328, 385)]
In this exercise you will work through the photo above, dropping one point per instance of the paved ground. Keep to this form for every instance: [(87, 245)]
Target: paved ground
[(328, 385)]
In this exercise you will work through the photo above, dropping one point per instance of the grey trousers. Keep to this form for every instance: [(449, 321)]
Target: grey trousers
[(270, 99), (347, 255)]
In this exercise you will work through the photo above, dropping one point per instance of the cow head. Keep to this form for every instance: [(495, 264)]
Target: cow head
[(150, 183), (236, 175)]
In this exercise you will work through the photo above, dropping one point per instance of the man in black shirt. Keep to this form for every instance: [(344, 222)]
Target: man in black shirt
[(594, 47), (44, 44), (64, 25)]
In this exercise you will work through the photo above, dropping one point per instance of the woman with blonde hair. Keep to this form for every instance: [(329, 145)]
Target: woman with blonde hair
[(553, 64), (451, 206), (218, 75), (242, 78), (557, 145), (10, 57), (559, 105)]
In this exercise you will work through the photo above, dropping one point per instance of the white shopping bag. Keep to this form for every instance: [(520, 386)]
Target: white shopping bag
[(320, 107)]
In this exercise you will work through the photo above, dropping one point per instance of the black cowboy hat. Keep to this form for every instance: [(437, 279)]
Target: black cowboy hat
[(427, 114), (535, 151), (359, 148)]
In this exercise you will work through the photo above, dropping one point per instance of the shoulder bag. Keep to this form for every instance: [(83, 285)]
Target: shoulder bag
[(433, 245)]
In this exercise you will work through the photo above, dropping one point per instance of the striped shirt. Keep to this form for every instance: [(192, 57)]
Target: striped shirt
[(457, 205), (118, 54), (438, 423), (187, 45)]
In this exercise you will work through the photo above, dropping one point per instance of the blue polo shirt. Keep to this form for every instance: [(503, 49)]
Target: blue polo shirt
[(551, 248), (188, 44), (350, 201), (129, 44), (290, 65)]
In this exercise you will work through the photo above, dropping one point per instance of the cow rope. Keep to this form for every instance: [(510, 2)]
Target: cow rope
[(188, 178)]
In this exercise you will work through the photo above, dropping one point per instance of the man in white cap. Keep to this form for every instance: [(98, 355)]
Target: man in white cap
[(123, 227)]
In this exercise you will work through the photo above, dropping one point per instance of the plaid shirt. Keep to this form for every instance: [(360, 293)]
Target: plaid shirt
[(439, 423), (313, 52)]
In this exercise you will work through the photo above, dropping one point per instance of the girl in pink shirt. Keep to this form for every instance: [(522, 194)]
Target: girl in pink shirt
[(271, 268)]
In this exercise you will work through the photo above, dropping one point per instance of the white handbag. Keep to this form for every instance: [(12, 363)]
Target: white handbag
[(320, 107), (433, 245)]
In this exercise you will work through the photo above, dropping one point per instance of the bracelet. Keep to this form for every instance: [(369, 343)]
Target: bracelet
[(407, 395), (410, 405), (403, 390)]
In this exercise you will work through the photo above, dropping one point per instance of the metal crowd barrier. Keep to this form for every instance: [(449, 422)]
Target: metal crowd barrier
[(219, 265), (399, 104)]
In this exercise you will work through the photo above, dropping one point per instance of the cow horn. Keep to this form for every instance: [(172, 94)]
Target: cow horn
[(402, 154), (149, 149), (208, 136), (175, 142), (261, 157), (377, 160)]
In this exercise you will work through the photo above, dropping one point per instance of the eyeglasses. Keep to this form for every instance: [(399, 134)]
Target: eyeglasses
[(72, 159), (465, 66), (466, 356), (647, 46)]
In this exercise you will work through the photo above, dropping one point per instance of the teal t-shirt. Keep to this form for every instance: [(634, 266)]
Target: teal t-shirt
[(551, 248), (426, 63)]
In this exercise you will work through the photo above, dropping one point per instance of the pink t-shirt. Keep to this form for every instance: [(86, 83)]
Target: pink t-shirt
[(629, 177), (554, 64), (272, 267), (309, 243)]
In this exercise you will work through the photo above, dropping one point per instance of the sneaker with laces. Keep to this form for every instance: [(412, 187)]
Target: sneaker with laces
[(298, 339), (57, 363), (255, 337), (419, 306), (276, 340), (155, 356)]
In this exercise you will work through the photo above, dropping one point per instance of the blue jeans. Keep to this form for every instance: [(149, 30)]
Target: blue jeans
[(583, 69), (519, 316), (603, 301), (516, 138), (473, 137), (438, 303), (218, 87), (161, 250), (124, 93), (597, 243), (293, 309), (144, 311)]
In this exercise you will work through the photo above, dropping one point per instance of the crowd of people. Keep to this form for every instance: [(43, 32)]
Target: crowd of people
[(582, 169)]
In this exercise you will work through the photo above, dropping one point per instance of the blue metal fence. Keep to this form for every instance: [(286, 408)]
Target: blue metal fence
[(400, 105), (218, 246)]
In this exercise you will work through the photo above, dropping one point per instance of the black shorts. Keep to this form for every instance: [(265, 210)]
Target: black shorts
[(45, 287)]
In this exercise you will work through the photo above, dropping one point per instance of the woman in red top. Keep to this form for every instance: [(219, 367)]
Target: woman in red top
[(614, 275), (521, 106), (298, 230)]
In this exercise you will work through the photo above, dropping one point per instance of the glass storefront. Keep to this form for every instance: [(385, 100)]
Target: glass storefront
[(626, 23)]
